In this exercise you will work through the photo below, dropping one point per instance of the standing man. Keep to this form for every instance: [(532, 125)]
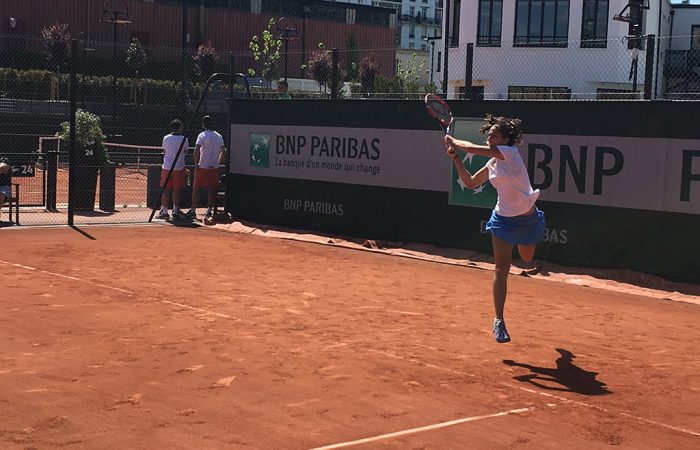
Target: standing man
[(208, 155), (171, 145), (5, 181)]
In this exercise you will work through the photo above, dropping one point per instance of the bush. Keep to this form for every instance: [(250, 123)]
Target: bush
[(88, 135)]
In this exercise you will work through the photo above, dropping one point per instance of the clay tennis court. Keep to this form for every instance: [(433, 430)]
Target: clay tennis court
[(169, 337)]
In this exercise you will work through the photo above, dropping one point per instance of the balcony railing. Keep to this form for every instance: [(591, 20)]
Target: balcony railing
[(420, 19)]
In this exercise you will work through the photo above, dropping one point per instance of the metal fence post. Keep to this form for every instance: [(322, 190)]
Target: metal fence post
[(51, 164), (446, 49), (649, 67), (334, 75), (73, 106), (227, 162)]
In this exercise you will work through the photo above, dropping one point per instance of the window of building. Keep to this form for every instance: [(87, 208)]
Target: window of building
[(594, 29), (541, 23), (490, 17), (412, 31), (695, 37), (616, 94), (242, 5), (454, 29), (538, 93), (477, 92)]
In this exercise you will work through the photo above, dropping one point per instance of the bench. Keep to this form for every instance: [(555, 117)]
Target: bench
[(13, 203)]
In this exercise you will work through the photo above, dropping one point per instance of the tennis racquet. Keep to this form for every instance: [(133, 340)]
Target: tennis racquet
[(440, 111)]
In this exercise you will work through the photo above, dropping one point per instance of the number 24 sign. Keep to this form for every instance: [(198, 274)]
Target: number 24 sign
[(23, 170)]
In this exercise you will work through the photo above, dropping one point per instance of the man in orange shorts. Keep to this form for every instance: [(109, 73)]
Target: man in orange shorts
[(171, 145), (208, 155)]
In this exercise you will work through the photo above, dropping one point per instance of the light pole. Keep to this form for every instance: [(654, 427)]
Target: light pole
[(432, 40), (115, 17), (289, 33)]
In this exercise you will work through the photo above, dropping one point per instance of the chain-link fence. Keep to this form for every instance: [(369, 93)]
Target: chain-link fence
[(125, 97)]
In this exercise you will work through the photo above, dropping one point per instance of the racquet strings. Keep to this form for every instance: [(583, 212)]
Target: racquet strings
[(440, 110)]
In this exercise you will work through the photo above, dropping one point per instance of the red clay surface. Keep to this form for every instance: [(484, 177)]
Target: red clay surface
[(166, 337)]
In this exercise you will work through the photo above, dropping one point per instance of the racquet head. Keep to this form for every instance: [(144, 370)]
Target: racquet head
[(439, 110)]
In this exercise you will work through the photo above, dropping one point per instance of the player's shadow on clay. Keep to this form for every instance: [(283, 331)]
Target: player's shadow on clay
[(566, 376)]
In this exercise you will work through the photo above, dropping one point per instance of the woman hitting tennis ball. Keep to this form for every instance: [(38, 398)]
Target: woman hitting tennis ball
[(515, 220)]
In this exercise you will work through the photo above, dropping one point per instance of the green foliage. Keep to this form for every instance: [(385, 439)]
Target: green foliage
[(409, 72), (405, 84), (204, 60), (136, 56), (88, 135), (36, 85), (56, 39), (266, 49)]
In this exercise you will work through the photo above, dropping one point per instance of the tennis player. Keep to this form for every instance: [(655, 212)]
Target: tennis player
[(515, 220)]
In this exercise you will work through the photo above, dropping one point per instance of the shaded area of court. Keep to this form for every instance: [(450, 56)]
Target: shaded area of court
[(165, 337)]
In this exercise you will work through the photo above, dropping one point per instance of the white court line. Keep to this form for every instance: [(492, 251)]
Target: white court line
[(544, 394), (125, 291), (422, 429), (193, 308)]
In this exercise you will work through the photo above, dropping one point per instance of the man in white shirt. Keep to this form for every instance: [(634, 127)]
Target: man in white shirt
[(208, 155), (171, 146)]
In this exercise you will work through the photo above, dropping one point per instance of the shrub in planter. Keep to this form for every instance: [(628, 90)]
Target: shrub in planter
[(90, 156)]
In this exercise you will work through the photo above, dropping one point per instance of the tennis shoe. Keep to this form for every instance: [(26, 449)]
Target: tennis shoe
[(499, 330), (163, 215), (178, 215), (191, 214)]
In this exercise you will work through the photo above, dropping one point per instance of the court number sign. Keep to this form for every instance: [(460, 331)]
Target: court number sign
[(23, 170)]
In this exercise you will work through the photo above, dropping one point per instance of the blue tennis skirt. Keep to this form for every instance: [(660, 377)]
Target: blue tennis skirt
[(518, 230)]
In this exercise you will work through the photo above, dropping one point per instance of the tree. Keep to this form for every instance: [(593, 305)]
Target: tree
[(56, 40), (321, 65), (205, 59), (266, 49), (405, 84), (369, 67), (408, 74), (136, 56), (135, 59)]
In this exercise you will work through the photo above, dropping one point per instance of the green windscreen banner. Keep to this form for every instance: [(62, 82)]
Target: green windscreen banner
[(613, 197)]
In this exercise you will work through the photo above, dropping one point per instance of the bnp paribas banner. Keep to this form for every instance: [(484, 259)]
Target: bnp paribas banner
[(641, 173), (411, 159)]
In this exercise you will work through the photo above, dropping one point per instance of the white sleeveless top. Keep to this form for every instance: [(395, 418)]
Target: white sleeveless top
[(509, 177)]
